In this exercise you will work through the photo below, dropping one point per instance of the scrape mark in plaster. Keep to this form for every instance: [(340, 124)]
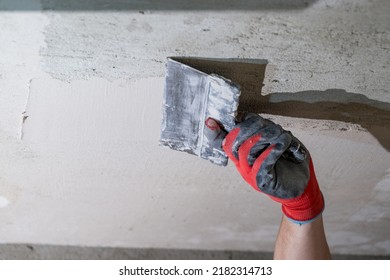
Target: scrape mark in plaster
[(3, 202), (24, 114), (24, 118)]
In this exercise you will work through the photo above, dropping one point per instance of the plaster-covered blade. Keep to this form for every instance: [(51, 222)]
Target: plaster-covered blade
[(190, 97)]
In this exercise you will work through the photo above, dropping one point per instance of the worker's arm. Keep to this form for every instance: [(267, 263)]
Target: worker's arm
[(274, 162), (301, 242)]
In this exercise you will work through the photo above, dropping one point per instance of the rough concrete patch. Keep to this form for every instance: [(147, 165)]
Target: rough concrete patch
[(340, 47), (123, 47)]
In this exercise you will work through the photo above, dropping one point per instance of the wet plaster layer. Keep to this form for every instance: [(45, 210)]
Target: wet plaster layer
[(98, 168), (80, 111)]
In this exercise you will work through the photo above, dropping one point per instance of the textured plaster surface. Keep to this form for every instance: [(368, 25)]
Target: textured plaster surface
[(80, 108)]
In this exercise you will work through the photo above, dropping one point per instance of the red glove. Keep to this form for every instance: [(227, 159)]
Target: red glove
[(274, 162)]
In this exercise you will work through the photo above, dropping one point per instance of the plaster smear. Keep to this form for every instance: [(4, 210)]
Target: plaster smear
[(98, 168), (21, 40)]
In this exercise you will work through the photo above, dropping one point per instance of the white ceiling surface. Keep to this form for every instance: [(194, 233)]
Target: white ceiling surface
[(84, 168)]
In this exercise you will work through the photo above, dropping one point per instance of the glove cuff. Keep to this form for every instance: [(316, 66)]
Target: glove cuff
[(308, 206), (302, 222)]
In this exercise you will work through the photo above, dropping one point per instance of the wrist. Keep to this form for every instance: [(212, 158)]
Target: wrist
[(300, 221)]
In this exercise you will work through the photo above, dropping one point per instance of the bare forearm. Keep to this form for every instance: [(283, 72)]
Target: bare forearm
[(305, 241)]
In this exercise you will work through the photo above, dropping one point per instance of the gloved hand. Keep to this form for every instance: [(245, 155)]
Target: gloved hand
[(274, 162)]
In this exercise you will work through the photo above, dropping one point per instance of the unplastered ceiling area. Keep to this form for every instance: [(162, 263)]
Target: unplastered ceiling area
[(81, 86)]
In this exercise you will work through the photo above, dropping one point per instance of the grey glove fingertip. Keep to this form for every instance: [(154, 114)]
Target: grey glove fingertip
[(214, 133)]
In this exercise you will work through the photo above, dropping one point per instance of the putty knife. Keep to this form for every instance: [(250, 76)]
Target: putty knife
[(190, 97)]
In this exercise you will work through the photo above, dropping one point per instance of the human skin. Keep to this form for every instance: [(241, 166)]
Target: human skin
[(301, 242)]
